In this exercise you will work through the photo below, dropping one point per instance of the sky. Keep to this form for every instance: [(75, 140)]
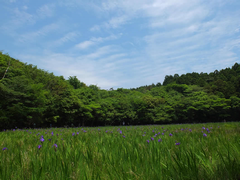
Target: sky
[(122, 43)]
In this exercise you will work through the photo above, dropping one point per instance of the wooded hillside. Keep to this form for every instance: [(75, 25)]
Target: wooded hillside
[(29, 96)]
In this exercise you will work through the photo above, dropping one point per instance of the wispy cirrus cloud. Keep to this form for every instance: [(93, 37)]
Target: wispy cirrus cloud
[(94, 41), (107, 59), (41, 33), (68, 37), (122, 43), (85, 44), (46, 10), (19, 18)]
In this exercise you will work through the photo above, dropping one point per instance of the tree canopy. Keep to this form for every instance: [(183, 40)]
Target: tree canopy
[(30, 96)]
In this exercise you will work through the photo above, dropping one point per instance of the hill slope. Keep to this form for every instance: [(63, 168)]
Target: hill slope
[(33, 97)]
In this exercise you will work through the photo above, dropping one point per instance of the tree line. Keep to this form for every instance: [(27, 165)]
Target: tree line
[(32, 97)]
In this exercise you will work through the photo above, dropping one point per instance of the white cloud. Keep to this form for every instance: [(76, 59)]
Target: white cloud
[(95, 28), (15, 20), (85, 44), (71, 36), (94, 41), (86, 67), (25, 7), (46, 10), (33, 36), (21, 18), (115, 22), (161, 37)]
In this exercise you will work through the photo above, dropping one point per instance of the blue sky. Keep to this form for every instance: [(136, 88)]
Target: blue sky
[(122, 43)]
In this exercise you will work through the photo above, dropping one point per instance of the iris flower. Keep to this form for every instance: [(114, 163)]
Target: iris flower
[(42, 140), (55, 145)]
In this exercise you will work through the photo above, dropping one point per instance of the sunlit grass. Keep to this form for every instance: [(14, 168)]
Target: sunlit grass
[(123, 152)]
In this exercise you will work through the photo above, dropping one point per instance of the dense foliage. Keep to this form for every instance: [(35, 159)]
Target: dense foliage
[(33, 97), (157, 152)]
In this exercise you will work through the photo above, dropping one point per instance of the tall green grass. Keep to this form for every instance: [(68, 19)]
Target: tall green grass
[(123, 152)]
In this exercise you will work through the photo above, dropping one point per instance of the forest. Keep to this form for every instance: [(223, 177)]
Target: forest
[(32, 97)]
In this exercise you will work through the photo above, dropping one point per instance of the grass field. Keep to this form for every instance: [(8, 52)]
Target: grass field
[(185, 151)]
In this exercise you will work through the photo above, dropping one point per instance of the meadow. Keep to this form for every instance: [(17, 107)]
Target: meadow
[(183, 151)]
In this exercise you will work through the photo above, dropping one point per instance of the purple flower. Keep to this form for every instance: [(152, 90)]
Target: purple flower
[(203, 127), (52, 133), (120, 132), (204, 135), (148, 141), (5, 148), (177, 143), (55, 145), (73, 134), (39, 146), (77, 133), (42, 140), (159, 140), (162, 133), (144, 135), (13, 129), (190, 130), (124, 136), (170, 134), (152, 139)]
